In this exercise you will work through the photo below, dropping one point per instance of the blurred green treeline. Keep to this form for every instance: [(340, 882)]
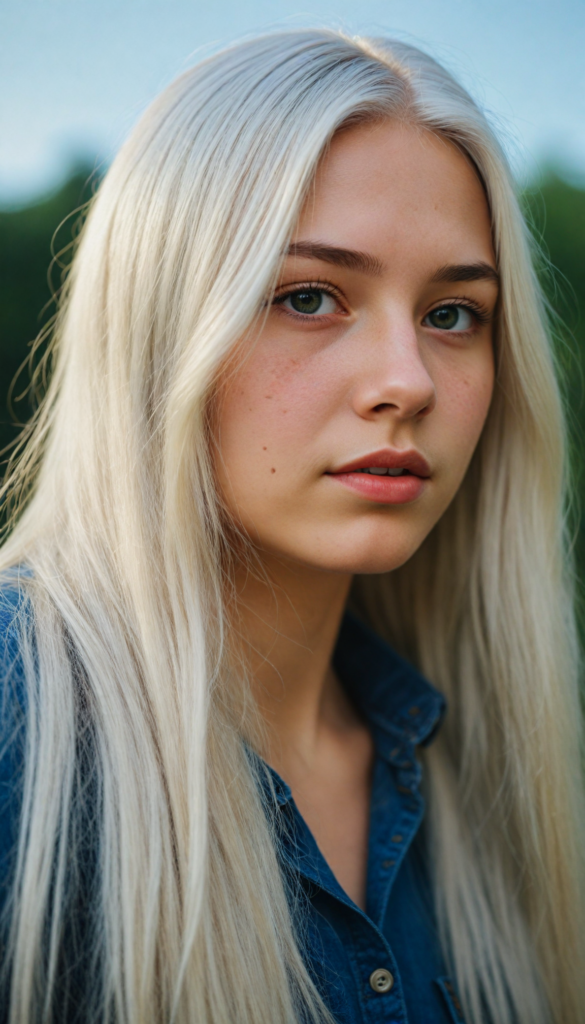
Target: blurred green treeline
[(30, 236)]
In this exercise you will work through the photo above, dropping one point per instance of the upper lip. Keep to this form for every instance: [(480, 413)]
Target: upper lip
[(389, 458)]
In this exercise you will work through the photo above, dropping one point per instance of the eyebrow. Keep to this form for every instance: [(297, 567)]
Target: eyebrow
[(454, 272), (351, 259)]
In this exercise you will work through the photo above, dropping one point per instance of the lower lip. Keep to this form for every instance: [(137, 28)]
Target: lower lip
[(386, 490)]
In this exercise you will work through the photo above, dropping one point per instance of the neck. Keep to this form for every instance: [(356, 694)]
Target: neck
[(288, 617)]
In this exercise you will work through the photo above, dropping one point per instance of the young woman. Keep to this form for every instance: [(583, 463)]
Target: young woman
[(302, 404)]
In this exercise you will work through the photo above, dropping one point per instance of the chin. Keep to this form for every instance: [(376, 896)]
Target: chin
[(375, 547), (369, 564), (358, 548), (360, 560)]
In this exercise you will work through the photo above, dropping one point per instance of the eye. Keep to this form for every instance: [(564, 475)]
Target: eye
[(450, 318), (309, 301)]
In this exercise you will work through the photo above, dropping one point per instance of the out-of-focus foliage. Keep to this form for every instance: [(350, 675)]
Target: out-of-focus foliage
[(29, 276), (556, 211), (29, 237)]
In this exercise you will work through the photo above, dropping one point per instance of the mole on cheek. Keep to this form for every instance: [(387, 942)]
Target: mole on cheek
[(273, 470)]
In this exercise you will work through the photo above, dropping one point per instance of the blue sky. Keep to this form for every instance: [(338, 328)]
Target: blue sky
[(76, 74)]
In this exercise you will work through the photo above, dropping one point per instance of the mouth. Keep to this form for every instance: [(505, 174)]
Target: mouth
[(381, 471), (388, 476)]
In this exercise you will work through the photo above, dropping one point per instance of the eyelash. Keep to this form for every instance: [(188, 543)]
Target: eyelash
[(481, 313), (320, 286)]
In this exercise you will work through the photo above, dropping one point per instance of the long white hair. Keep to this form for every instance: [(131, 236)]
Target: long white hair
[(135, 704)]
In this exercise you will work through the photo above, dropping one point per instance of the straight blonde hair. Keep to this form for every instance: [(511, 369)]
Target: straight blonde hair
[(125, 633)]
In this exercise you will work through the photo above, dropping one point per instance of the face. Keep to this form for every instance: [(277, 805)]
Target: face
[(346, 430)]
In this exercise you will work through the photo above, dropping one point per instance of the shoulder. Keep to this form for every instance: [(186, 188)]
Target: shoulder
[(15, 618), (15, 622)]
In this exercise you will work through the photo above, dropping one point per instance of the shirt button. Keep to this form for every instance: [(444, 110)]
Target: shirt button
[(381, 980)]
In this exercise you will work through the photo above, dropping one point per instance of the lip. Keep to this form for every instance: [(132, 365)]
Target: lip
[(385, 490), (389, 458)]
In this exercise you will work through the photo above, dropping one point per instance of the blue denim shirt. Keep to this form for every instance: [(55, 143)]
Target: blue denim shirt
[(344, 947), (383, 966)]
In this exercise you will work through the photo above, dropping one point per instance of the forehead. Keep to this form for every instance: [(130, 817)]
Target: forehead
[(389, 188)]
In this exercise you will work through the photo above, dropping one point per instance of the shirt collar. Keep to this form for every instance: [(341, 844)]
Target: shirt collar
[(399, 704), (401, 707)]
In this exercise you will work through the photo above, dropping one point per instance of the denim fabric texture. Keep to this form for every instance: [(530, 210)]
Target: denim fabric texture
[(343, 946), (397, 933)]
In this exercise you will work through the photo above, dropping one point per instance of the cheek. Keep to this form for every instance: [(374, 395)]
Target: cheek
[(465, 396), (266, 417)]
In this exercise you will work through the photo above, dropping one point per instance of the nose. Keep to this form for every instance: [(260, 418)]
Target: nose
[(392, 377)]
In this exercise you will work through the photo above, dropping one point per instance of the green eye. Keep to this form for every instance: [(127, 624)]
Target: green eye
[(309, 301), (306, 302), (450, 318)]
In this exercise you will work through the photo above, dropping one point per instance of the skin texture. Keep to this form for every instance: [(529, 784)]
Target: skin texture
[(369, 372)]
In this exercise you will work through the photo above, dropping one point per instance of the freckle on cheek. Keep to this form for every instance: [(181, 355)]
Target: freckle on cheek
[(273, 470), (264, 448), (267, 396)]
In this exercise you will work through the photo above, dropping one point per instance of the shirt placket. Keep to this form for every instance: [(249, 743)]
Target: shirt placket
[(390, 838), (376, 972)]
